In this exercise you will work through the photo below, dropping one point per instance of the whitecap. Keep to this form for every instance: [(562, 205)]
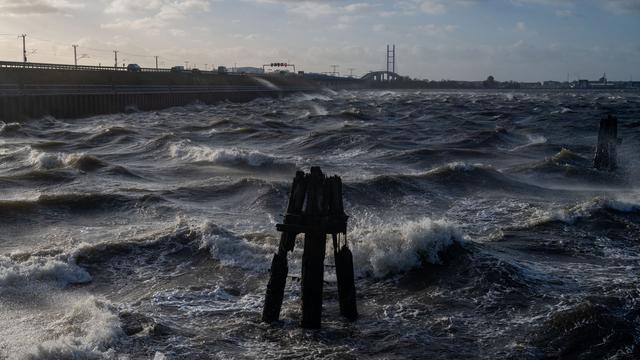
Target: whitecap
[(86, 329), (585, 209), (187, 151), (42, 269), (232, 250), (383, 249)]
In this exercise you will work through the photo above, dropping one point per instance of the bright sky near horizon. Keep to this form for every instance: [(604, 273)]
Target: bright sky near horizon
[(523, 40)]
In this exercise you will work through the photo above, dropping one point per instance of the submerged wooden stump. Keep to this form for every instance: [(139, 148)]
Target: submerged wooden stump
[(606, 150), (323, 214)]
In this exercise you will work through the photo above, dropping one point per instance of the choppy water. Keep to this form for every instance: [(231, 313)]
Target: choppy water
[(478, 227)]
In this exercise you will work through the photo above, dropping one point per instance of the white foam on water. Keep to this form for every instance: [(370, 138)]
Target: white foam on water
[(187, 151), (302, 97), (330, 91), (458, 166), (49, 161), (59, 327), (233, 250), (4, 127), (623, 203), (42, 318), (563, 110), (382, 249), (202, 302), (42, 269), (319, 110), (533, 140), (45, 161)]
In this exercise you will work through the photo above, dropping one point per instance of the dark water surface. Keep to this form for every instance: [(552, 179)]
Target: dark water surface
[(478, 227)]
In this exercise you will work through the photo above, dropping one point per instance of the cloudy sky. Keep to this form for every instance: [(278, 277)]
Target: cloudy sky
[(527, 40)]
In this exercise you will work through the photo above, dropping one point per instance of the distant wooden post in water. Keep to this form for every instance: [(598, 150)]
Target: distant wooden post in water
[(606, 150), (323, 214)]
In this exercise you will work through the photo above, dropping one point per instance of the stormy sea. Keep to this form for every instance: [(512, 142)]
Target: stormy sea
[(478, 226)]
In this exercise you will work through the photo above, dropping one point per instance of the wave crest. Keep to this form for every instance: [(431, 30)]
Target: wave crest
[(187, 151), (50, 161), (383, 250), (584, 210), (85, 331), (41, 269)]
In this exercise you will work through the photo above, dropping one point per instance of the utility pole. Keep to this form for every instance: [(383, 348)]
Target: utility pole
[(156, 62), (335, 69), (115, 52), (24, 46), (351, 72), (75, 55)]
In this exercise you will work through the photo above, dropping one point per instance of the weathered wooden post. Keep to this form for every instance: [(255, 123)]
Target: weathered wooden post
[(315, 241), (606, 152), (279, 268), (341, 252), (323, 214)]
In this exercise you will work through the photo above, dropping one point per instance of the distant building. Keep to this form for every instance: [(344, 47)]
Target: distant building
[(603, 79), (583, 84), (555, 85), (603, 83), (531, 85)]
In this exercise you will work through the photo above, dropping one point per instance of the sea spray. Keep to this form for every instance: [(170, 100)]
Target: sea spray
[(86, 330), (40, 269), (233, 250), (266, 83), (383, 248)]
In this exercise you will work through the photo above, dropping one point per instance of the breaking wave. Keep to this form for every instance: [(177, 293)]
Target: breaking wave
[(230, 157), (86, 329), (14, 272), (49, 161), (585, 210), (385, 249)]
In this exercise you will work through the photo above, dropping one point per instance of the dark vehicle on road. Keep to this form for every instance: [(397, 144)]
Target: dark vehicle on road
[(134, 68)]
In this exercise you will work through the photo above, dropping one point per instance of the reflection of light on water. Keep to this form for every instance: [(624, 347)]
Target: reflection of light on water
[(266, 83)]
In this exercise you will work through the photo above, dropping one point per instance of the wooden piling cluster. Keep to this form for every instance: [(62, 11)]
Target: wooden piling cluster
[(606, 150), (323, 214)]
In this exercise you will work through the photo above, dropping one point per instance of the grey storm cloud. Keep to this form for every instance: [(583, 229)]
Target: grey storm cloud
[(35, 7), (615, 6)]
